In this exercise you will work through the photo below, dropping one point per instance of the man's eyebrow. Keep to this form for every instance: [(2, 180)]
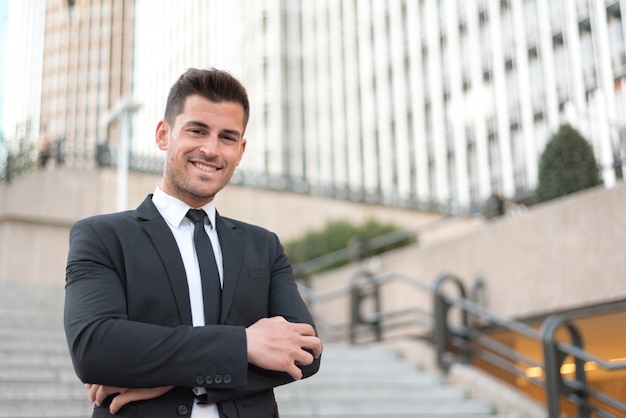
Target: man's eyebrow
[(197, 123), (234, 132), (205, 126)]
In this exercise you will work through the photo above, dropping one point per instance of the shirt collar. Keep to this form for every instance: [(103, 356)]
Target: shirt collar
[(174, 211)]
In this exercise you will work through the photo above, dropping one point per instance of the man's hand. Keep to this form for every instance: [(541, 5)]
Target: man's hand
[(98, 393), (275, 344)]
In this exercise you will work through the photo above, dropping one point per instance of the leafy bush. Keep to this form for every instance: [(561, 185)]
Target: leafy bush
[(19, 162), (338, 235), (567, 165)]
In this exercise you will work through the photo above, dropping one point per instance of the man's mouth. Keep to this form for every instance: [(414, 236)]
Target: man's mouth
[(206, 168)]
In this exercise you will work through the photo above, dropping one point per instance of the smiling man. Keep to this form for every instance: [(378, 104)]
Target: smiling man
[(160, 324)]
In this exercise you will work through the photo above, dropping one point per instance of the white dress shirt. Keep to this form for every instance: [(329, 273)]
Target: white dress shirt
[(174, 212)]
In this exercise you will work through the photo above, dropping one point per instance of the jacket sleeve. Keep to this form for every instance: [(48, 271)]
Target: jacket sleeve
[(284, 300)]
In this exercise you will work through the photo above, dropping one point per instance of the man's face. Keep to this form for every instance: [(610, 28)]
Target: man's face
[(203, 147)]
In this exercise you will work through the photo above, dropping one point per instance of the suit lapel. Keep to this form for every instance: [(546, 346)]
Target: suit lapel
[(232, 242), (166, 246)]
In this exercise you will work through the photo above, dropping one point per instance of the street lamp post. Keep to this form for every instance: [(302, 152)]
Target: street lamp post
[(122, 113), (70, 13)]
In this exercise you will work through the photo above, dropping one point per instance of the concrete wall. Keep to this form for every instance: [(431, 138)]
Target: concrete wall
[(37, 211), (558, 255)]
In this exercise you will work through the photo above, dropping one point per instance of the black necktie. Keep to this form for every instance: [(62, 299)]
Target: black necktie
[(211, 287)]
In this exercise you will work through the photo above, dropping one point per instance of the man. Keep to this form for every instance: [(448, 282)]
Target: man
[(137, 309), (44, 147)]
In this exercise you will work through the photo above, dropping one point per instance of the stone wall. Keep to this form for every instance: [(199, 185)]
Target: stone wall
[(37, 211), (559, 255)]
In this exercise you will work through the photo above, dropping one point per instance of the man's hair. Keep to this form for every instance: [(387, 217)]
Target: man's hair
[(215, 85)]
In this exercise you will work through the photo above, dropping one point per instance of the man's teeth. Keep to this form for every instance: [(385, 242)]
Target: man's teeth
[(206, 168)]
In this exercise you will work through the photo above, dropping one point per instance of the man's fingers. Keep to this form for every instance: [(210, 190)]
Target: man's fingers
[(304, 329), (98, 393), (276, 344), (120, 400), (295, 372), (300, 328), (132, 395), (92, 391), (103, 392), (303, 358), (313, 344)]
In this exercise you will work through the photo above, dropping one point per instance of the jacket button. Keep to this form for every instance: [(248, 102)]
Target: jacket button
[(228, 378), (200, 380), (218, 379), (183, 410)]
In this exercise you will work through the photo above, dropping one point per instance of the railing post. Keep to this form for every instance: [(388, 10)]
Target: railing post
[(359, 292), (553, 360), (442, 332)]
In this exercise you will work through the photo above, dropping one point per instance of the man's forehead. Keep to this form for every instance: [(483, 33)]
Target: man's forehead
[(197, 108)]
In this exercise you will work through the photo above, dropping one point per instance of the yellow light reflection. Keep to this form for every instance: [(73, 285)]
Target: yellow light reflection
[(566, 368)]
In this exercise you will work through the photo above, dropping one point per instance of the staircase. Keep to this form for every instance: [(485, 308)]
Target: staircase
[(37, 379), (36, 375), (357, 382)]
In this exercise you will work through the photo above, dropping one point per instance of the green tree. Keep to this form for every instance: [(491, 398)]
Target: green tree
[(567, 165)]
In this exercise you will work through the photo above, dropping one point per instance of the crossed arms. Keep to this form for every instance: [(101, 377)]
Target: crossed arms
[(114, 352)]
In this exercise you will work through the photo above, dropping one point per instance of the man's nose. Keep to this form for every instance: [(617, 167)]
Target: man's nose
[(210, 145)]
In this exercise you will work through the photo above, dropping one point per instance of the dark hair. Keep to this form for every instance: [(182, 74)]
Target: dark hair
[(212, 84)]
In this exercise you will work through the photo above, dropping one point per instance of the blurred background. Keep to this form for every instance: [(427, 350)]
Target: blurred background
[(430, 105), (481, 138)]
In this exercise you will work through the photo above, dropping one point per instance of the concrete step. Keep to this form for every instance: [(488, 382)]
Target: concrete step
[(372, 390), (32, 295), (37, 378), (58, 390), (24, 358), (59, 408), (38, 320), (34, 346), (369, 382), (36, 374), (383, 407)]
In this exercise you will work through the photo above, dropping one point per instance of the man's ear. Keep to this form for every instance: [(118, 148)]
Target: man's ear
[(243, 149), (162, 135)]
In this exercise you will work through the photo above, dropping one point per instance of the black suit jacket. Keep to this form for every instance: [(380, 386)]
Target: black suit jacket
[(128, 316)]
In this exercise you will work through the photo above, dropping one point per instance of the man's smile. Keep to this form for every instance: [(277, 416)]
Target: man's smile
[(205, 167)]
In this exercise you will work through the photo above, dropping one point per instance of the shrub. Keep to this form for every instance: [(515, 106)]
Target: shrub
[(338, 235), (18, 162), (567, 165)]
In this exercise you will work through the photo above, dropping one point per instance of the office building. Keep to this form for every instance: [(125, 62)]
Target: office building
[(22, 60), (87, 70), (432, 105), (425, 104)]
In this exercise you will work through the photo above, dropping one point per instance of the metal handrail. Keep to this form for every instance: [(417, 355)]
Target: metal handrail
[(378, 322), (469, 339), (576, 390)]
